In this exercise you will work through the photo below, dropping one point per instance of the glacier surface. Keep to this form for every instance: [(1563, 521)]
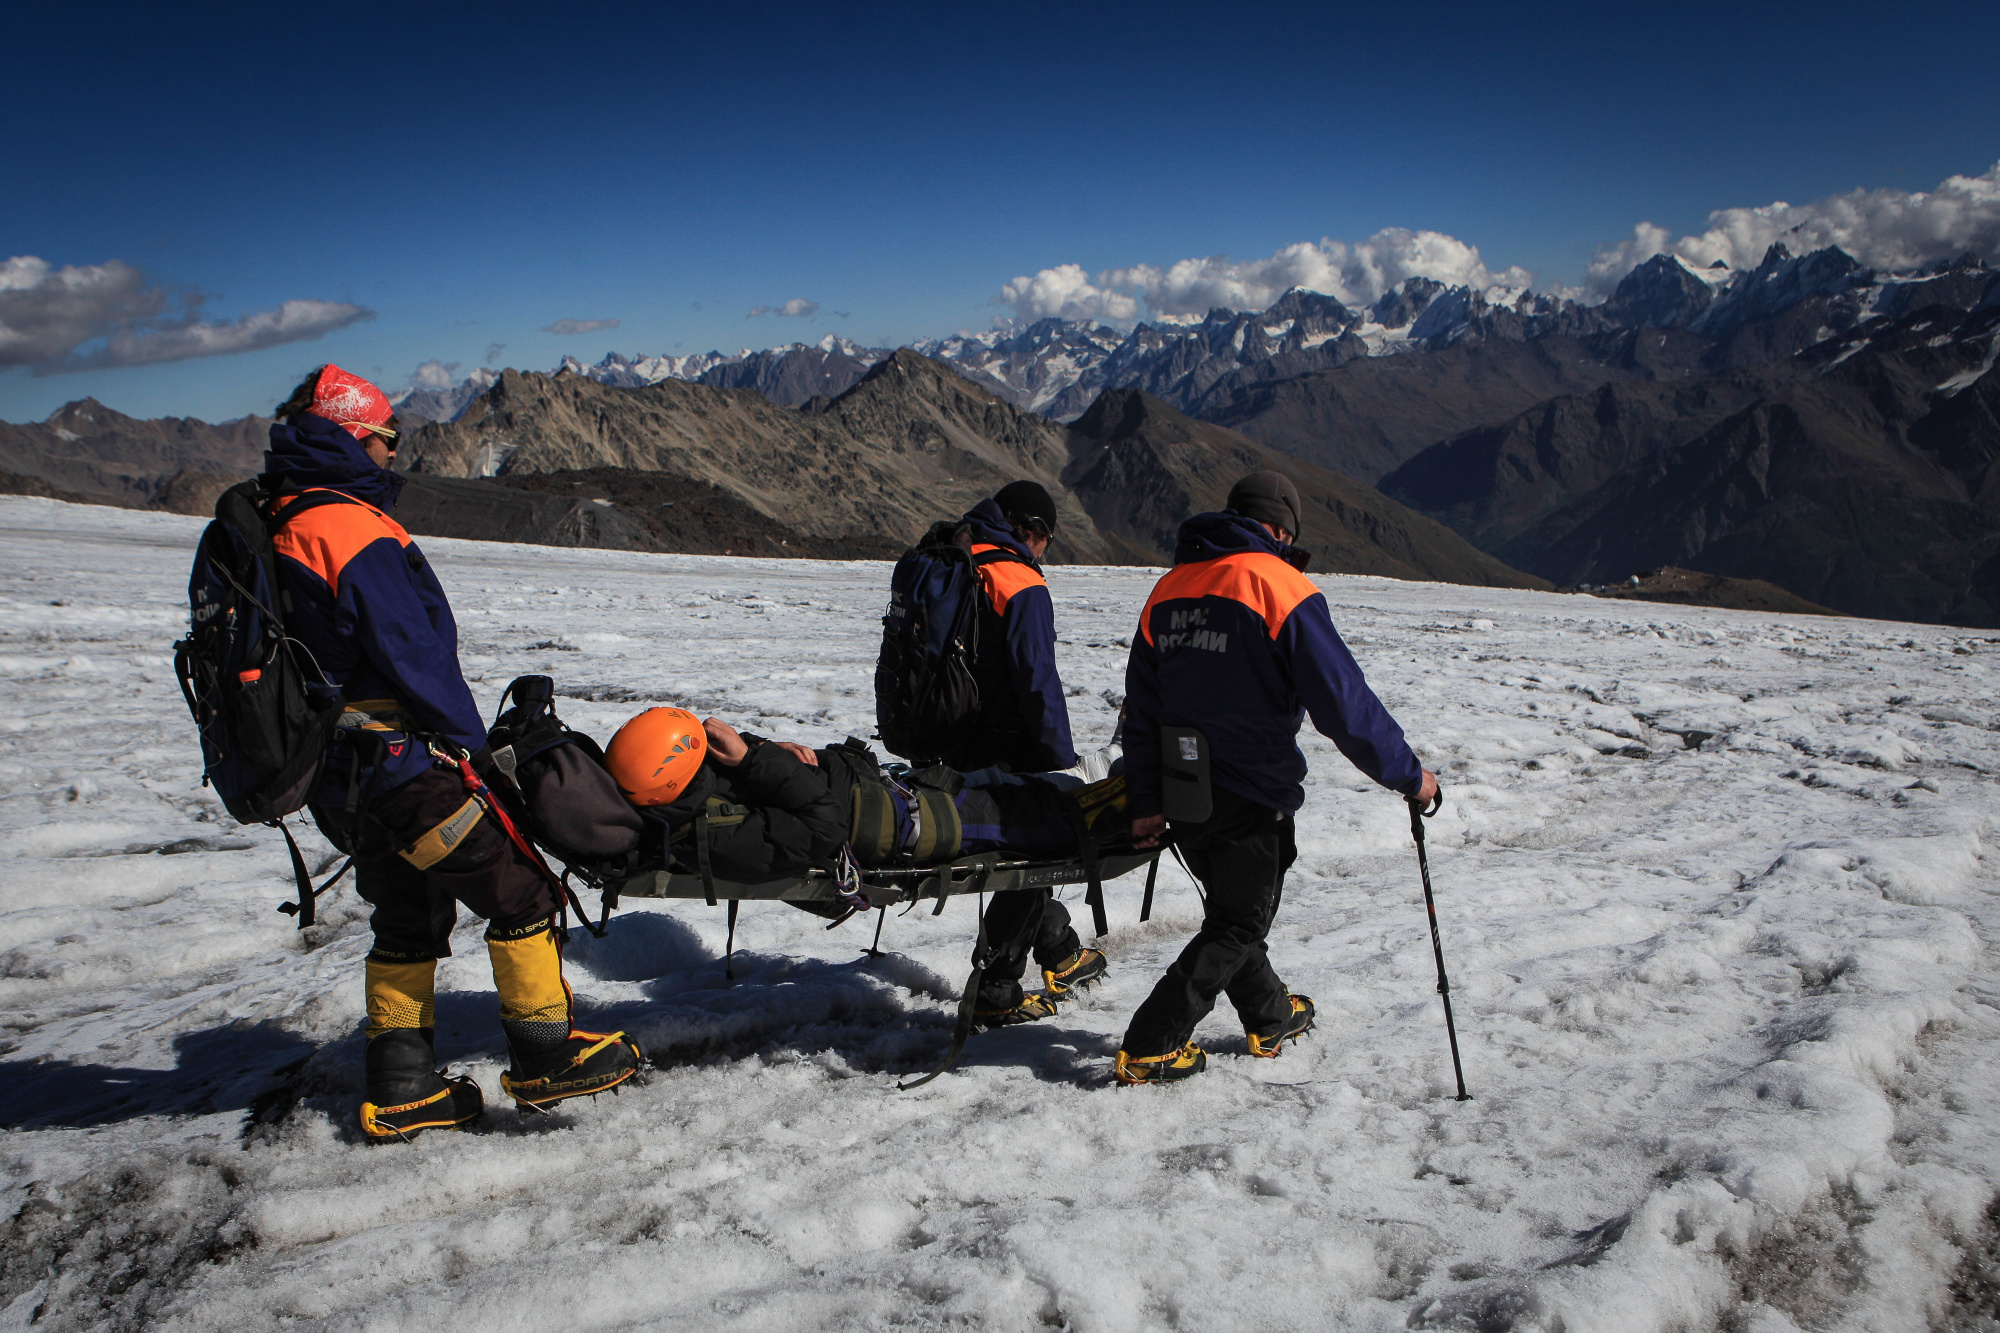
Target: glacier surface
[(1717, 893)]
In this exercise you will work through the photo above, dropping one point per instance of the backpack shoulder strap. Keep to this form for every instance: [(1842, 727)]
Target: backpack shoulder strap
[(311, 499)]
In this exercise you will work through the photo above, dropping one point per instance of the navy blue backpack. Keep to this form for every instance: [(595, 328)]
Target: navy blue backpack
[(265, 711), (926, 679)]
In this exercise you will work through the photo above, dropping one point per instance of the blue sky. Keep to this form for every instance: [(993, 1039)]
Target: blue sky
[(470, 175)]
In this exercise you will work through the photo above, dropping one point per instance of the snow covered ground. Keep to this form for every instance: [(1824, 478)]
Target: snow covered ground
[(1718, 900)]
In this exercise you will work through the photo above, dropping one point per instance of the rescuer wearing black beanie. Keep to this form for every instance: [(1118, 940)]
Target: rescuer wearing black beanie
[(1268, 497), (1017, 718), (1026, 504)]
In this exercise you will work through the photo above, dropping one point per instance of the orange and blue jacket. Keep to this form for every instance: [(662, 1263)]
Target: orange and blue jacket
[(1239, 644), (364, 602), (1023, 716)]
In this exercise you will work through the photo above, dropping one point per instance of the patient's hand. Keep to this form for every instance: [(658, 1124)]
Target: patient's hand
[(803, 753), (725, 746)]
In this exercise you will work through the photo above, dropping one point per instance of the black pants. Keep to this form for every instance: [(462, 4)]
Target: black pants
[(415, 910), (1240, 855), (1018, 922)]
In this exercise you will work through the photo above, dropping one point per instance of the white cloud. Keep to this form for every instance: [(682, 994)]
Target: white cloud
[(569, 326), (434, 374), (1356, 274), (48, 314), (1065, 292), (796, 308), (1885, 229)]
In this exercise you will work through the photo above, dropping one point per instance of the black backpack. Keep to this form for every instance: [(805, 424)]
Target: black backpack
[(571, 804), (926, 679), (264, 709)]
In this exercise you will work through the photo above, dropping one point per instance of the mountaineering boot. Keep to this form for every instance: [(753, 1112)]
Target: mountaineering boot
[(406, 1091), (1172, 1067), (552, 1060), (1073, 973), (1296, 1026), (1027, 1009)]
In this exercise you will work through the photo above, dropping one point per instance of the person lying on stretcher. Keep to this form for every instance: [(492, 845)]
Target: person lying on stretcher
[(778, 808)]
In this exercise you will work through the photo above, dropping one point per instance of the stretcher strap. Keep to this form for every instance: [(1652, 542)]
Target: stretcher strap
[(701, 856), (443, 839), (872, 823), (939, 830), (1146, 903), (968, 1003), (1086, 842), (729, 954)]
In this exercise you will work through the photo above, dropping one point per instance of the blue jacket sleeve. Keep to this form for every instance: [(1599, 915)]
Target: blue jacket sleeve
[(405, 628), (1329, 683), (1142, 729), (1031, 656)]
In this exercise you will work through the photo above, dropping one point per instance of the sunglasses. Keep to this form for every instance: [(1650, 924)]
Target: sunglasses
[(387, 433)]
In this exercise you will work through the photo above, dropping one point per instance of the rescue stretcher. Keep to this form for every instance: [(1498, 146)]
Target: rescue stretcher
[(885, 886)]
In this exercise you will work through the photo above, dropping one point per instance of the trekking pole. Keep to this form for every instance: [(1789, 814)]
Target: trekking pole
[(1418, 814)]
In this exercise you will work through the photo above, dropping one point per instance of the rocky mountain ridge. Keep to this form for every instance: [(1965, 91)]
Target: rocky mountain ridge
[(568, 460), (1205, 367), (1859, 473), (86, 451)]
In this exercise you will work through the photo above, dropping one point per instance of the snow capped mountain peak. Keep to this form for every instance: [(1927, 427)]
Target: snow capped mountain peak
[(443, 404), (1057, 367)]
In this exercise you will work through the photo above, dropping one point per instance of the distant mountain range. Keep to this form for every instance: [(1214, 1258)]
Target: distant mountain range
[(1058, 367), (866, 472), (1808, 422)]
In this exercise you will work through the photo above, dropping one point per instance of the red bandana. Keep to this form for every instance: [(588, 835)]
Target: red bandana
[(351, 401)]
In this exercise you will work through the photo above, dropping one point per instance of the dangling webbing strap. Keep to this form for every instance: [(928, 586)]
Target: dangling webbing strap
[(303, 908), (701, 856), (1093, 874), (1146, 903), (1189, 872), (968, 1003), (729, 954)]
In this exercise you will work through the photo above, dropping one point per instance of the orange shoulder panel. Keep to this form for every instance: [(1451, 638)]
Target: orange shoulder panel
[(1262, 582), (325, 538), (1005, 578)]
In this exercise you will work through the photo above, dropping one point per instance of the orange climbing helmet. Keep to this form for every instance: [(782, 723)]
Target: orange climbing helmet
[(655, 755)]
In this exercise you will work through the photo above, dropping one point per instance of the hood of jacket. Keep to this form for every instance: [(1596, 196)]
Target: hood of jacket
[(991, 528), (1212, 536), (316, 452)]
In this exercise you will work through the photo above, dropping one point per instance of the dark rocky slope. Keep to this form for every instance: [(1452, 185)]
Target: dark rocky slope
[(1859, 474), (910, 443), (1688, 587), (1369, 416), (1140, 467), (87, 451)]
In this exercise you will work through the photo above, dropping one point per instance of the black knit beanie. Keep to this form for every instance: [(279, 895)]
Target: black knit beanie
[(1268, 497), (1029, 499)]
